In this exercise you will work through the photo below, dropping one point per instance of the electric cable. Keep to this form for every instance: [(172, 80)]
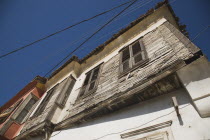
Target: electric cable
[(86, 40), (86, 34), (25, 46)]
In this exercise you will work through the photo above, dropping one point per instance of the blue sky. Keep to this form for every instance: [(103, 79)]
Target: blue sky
[(22, 22)]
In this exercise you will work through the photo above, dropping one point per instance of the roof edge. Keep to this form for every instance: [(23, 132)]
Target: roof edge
[(98, 49)]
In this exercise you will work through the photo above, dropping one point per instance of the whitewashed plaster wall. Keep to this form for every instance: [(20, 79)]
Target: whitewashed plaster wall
[(196, 79), (160, 109)]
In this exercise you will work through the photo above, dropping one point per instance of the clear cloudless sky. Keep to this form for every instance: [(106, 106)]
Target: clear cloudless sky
[(24, 21)]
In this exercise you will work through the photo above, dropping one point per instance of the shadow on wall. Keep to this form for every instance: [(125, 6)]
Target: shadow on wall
[(157, 104), (200, 70)]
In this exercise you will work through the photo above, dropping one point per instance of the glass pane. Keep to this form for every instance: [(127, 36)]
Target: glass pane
[(137, 58), (125, 65), (87, 79), (136, 48), (22, 115), (95, 74), (30, 104), (125, 54), (92, 85)]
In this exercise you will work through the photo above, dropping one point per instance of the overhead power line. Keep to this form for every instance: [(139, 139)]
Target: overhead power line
[(48, 36), (62, 50), (86, 40)]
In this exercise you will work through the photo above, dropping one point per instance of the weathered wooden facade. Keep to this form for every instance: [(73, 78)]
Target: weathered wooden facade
[(124, 88)]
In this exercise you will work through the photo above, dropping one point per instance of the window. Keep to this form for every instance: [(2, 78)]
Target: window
[(5, 114), (162, 136), (45, 101), (66, 90), (90, 82), (24, 113), (132, 56), (159, 131)]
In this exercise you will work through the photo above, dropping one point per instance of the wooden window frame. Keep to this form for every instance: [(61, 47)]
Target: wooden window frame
[(66, 91), (45, 101), (86, 87), (132, 64), (22, 107)]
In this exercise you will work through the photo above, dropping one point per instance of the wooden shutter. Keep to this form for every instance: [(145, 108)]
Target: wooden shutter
[(125, 59), (21, 116), (45, 101), (66, 90), (24, 113)]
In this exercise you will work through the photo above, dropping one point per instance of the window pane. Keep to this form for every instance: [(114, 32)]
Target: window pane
[(92, 85), (137, 58), (136, 48), (30, 104), (87, 79), (125, 54), (95, 74), (125, 65), (22, 115)]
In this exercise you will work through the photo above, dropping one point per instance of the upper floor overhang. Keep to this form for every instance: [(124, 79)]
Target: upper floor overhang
[(162, 10)]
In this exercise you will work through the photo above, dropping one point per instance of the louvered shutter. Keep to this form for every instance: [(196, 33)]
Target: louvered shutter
[(70, 87), (46, 100), (25, 112), (66, 87)]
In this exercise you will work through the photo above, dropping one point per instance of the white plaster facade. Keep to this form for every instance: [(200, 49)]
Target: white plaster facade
[(190, 126)]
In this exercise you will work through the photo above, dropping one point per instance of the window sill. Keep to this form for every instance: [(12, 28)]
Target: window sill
[(139, 65)]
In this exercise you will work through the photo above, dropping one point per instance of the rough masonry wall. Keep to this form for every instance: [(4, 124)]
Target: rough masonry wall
[(164, 49)]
